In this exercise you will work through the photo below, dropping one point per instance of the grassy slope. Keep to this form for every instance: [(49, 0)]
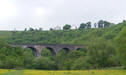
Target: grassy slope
[(5, 34)]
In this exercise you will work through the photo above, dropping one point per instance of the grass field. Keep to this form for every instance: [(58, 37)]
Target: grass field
[(5, 34), (81, 72)]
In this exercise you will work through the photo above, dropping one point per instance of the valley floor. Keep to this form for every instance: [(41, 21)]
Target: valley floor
[(79, 72)]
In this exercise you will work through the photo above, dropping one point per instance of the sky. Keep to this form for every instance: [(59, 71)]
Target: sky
[(46, 14)]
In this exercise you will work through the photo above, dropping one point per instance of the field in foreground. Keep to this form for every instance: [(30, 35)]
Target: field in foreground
[(81, 72)]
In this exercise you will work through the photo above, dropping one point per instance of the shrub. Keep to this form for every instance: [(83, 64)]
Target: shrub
[(43, 63), (81, 63)]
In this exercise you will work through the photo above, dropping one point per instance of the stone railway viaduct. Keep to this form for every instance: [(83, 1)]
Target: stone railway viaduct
[(54, 48)]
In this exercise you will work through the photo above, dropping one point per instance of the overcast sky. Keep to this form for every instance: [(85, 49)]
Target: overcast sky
[(20, 14)]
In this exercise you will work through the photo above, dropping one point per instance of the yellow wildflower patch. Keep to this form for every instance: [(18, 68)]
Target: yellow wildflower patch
[(85, 72), (5, 71), (72, 72)]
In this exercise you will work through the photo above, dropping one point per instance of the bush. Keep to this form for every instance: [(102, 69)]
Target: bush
[(65, 60), (100, 52), (81, 63), (43, 63), (12, 62), (28, 58)]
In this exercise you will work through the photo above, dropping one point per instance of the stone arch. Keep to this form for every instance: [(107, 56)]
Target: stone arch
[(51, 50), (82, 49), (66, 49), (34, 51)]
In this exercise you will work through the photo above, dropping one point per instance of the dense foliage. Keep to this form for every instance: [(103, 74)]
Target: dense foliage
[(105, 48), (12, 57), (121, 43)]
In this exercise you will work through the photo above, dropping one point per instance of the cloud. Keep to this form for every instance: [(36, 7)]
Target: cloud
[(52, 13)]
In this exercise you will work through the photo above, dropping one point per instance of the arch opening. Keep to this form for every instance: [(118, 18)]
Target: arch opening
[(48, 51), (82, 49), (34, 51), (67, 50)]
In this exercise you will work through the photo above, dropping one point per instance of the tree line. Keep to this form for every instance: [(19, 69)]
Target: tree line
[(100, 24)]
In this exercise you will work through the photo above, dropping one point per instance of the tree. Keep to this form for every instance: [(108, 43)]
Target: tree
[(81, 63), (95, 25), (31, 29), (88, 24), (67, 27), (121, 43), (72, 57), (28, 58), (60, 59), (107, 24), (12, 62), (65, 60), (51, 29), (25, 29), (99, 52), (83, 26), (101, 24), (40, 29), (124, 20), (47, 53), (11, 57), (43, 63)]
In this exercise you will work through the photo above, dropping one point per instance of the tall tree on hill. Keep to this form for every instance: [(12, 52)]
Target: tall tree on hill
[(40, 29), (107, 24), (83, 26), (95, 25), (88, 24), (67, 27), (31, 29), (101, 24), (25, 29), (51, 29)]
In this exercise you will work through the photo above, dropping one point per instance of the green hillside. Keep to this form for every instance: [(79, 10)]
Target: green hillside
[(78, 36), (105, 49), (5, 34)]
